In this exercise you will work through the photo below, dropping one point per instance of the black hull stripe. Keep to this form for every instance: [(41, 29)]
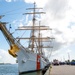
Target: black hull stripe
[(29, 71)]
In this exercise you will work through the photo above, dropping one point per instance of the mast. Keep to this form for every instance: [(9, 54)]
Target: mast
[(34, 28), (39, 40)]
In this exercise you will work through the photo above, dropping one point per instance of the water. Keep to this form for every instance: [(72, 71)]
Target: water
[(9, 69)]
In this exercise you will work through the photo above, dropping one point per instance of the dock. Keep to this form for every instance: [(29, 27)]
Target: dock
[(61, 70)]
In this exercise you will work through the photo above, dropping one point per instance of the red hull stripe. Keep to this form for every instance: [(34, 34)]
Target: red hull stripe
[(38, 62)]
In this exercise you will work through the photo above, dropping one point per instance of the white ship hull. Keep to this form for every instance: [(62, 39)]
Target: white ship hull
[(27, 62)]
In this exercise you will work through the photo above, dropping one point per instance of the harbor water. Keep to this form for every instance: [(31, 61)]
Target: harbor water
[(8, 69)]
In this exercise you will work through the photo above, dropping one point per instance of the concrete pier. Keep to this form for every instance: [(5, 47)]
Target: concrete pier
[(61, 70)]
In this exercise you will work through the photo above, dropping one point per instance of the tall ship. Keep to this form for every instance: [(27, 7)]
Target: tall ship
[(32, 57)]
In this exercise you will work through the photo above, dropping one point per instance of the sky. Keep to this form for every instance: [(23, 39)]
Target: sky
[(60, 16)]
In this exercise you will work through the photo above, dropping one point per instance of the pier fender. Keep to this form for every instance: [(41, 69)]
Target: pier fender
[(48, 66), (38, 62)]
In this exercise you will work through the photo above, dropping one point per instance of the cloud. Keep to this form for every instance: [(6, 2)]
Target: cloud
[(6, 58), (11, 0), (8, 0), (0, 57), (40, 3), (57, 7), (60, 16), (21, 22), (68, 51)]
